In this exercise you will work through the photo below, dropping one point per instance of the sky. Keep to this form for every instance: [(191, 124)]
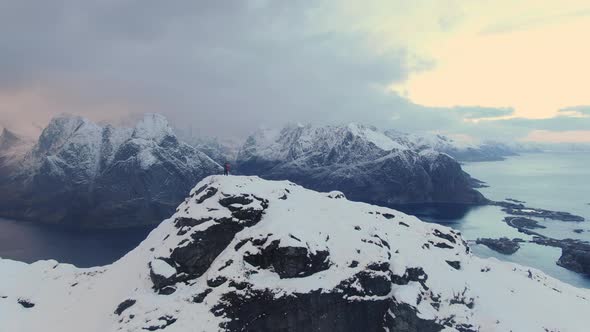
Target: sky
[(480, 69)]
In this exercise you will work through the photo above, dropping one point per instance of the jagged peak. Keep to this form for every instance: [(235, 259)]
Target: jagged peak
[(308, 136), (153, 126), (8, 138)]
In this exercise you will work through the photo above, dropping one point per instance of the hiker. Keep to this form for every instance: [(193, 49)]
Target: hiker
[(226, 168)]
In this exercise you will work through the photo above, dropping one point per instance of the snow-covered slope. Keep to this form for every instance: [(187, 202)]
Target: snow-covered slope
[(90, 175), (246, 254), (364, 163), (12, 150), (462, 150)]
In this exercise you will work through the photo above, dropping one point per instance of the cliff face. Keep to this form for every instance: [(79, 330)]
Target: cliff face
[(362, 162), (83, 174), (246, 254)]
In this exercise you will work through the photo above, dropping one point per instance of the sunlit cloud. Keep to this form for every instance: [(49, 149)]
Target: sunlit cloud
[(582, 136)]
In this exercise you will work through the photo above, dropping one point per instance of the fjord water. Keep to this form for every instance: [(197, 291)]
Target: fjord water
[(30, 242), (554, 181)]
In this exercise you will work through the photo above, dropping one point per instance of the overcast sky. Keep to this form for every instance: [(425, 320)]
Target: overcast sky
[(502, 69)]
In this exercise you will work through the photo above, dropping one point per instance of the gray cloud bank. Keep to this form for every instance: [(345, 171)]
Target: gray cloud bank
[(222, 68)]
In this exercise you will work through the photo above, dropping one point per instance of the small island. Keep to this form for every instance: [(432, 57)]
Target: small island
[(502, 245)]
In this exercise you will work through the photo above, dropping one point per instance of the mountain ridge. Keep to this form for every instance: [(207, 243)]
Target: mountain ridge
[(83, 174)]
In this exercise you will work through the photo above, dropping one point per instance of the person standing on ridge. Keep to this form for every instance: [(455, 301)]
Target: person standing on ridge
[(226, 168)]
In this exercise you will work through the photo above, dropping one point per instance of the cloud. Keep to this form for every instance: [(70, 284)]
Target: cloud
[(520, 23), (479, 112), (580, 110), (226, 67), (222, 66)]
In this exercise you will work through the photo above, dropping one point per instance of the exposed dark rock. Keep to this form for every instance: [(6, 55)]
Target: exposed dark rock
[(211, 191), (196, 257), (160, 281), (190, 222), (372, 283), (443, 245), (411, 274), (124, 306), (290, 262), (164, 321), (578, 231), (576, 257), (26, 303), (503, 245), (239, 285), (442, 235), (217, 281), (515, 201), (317, 311), (388, 216), (227, 263), (518, 209), (205, 245), (520, 222), (167, 290), (249, 216), (199, 298), (454, 264), (381, 266)]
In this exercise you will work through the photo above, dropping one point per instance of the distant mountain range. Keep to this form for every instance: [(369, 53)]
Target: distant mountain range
[(80, 173), (84, 174)]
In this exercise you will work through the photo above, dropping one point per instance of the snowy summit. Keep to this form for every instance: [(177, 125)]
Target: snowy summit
[(246, 254)]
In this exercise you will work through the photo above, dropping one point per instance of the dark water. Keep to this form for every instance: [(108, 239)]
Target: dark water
[(555, 181), (29, 242)]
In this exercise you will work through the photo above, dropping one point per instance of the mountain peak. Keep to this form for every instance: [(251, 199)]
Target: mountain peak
[(8, 139), (153, 127)]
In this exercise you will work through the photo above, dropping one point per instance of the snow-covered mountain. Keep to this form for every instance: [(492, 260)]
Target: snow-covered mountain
[(245, 254), (364, 163), (85, 174), (462, 150), (12, 150)]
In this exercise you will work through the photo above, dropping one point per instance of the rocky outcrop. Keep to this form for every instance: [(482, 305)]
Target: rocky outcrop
[(519, 209), (503, 245), (85, 175), (363, 163), (576, 257), (12, 151)]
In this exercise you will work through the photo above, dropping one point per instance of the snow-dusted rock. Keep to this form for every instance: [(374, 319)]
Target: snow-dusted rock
[(462, 148), (85, 174), (12, 151), (362, 162), (246, 254)]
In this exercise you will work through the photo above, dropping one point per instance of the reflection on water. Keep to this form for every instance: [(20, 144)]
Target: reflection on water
[(29, 242)]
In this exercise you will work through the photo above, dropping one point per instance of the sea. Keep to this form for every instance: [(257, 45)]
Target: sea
[(557, 181), (553, 181)]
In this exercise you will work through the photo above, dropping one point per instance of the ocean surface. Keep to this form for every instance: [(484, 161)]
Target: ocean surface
[(555, 181)]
